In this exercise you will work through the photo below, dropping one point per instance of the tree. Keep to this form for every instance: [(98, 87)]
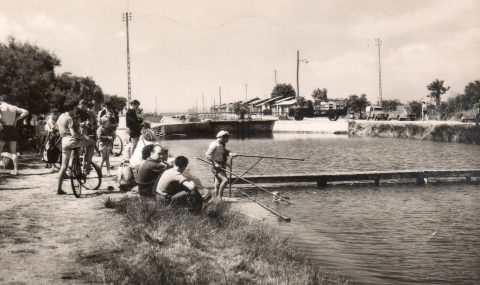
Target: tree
[(117, 102), (240, 109), (357, 104), (27, 75), (283, 90), (415, 108), (390, 105), (436, 90), (69, 87), (319, 94), (472, 93)]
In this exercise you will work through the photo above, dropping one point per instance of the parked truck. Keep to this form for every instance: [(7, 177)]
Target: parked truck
[(333, 109), (375, 113)]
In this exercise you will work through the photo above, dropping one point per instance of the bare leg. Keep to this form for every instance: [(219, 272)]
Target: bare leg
[(63, 170), (223, 183), (107, 160), (13, 151)]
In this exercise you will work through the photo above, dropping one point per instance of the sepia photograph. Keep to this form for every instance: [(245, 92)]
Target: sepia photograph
[(240, 142)]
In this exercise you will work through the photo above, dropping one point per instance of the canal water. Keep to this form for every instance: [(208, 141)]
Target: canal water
[(396, 233)]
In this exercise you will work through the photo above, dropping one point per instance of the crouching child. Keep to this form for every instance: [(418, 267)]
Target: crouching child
[(177, 190)]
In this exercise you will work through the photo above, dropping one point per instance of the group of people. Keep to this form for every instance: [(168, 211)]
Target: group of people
[(79, 126), (157, 177)]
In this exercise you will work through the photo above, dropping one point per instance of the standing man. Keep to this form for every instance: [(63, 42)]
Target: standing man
[(69, 130), (8, 129), (218, 154), (424, 111), (133, 123)]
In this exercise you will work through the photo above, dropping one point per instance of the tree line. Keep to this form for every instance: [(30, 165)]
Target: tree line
[(452, 107), (28, 80)]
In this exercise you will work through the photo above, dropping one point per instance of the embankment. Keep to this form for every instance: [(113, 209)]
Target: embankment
[(443, 131)]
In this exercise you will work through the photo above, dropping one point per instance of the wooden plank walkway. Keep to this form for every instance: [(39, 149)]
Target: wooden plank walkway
[(421, 176)]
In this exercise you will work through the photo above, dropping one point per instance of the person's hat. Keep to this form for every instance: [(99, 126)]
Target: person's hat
[(223, 133), (135, 102)]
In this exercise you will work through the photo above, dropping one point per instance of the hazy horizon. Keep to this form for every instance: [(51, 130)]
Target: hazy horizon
[(181, 49)]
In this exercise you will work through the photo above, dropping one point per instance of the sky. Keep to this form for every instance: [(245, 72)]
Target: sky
[(181, 49)]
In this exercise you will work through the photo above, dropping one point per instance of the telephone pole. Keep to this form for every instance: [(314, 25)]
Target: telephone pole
[(203, 104), (246, 93), (127, 17), (220, 95), (379, 43), (275, 75)]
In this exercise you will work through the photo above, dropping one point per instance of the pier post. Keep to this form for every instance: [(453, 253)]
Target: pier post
[(377, 181), (321, 183), (421, 180)]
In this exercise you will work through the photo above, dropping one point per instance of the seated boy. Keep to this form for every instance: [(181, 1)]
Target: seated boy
[(175, 189)]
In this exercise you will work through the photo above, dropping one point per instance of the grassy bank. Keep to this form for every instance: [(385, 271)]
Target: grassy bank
[(219, 246), (434, 131)]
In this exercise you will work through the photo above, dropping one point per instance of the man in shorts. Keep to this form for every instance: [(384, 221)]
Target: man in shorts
[(218, 154), (69, 130), (134, 123), (8, 129)]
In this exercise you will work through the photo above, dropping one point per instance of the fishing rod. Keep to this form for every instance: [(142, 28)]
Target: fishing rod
[(270, 157), (248, 181), (286, 219)]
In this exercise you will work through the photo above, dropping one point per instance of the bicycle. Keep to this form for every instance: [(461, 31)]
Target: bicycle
[(79, 179), (117, 147)]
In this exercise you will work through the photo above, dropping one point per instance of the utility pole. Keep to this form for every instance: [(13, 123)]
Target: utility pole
[(246, 93), (220, 95), (156, 99), (379, 43), (203, 104), (275, 74), (298, 67), (127, 17)]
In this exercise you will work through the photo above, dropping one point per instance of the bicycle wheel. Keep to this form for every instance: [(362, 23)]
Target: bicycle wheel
[(117, 146), (93, 180), (76, 176)]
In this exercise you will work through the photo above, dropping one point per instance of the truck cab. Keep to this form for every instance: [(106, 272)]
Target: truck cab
[(375, 112)]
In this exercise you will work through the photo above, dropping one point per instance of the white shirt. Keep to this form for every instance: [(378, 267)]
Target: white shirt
[(216, 151)]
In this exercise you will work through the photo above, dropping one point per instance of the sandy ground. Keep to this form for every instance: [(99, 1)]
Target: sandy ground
[(43, 236)]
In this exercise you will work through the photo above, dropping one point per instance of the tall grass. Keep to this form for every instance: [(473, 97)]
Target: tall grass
[(218, 246)]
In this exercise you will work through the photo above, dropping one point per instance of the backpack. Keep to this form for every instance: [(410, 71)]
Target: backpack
[(125, 177)]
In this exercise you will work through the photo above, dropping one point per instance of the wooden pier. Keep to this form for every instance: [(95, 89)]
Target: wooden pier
[(420, 176)]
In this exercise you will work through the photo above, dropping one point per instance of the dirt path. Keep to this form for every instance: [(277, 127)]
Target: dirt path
[(43, 234)]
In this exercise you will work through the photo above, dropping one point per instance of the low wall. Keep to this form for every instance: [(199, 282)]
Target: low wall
[(443, 131), (236, 127), (312, 126)]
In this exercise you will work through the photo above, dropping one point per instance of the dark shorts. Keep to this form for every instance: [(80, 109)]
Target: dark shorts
[(220, 170), (9, 134)]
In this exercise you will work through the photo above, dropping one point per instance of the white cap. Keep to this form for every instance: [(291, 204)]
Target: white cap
[(222, 133)]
